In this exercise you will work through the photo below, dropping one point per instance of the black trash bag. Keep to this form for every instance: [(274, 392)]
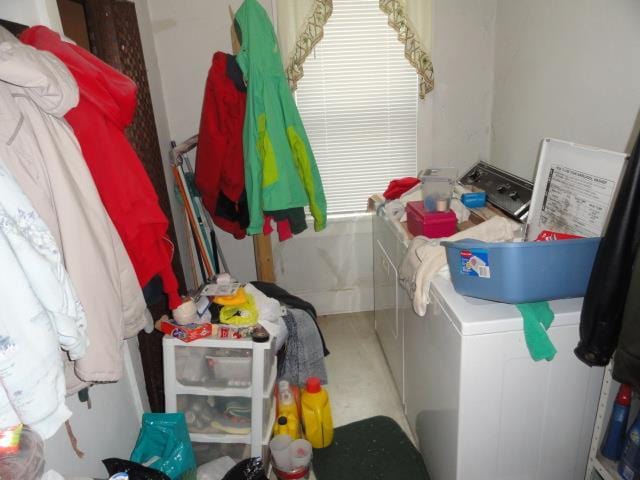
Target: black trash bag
[(135, 470), (249, 469)]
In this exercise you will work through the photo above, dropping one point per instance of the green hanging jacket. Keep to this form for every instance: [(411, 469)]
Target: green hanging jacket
[(280, 169)]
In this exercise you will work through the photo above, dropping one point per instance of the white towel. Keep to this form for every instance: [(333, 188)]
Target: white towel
[(425, 257), (270, 314)]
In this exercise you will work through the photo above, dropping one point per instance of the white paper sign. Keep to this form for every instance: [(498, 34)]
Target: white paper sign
[(574, 189)]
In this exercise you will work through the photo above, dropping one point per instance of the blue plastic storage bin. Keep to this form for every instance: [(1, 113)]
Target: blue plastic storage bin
[(521, 272)]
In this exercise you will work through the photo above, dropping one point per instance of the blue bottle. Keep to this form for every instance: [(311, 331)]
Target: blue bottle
[(614, 438), (629, 466)]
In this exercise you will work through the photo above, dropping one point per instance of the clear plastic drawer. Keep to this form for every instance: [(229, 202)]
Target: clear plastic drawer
[(218, 367), (221, 415), (213, 367)]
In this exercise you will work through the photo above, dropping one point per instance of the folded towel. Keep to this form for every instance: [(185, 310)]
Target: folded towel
[(537, 319)]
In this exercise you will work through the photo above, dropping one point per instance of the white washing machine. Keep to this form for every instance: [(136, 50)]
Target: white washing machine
[(480, 407)]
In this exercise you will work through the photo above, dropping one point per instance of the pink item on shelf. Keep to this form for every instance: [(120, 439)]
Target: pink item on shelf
[(430, 224)]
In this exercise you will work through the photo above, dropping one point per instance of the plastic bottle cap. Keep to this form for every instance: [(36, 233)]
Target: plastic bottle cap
[(282, 420), (624, 395), (260, 335), (286, 398), (313, 385)]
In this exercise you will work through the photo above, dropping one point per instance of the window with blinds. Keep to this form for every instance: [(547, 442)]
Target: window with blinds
[(358, 100)]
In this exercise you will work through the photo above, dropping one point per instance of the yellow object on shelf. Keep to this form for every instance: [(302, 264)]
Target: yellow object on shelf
[(238, 298), (240, 315), (316, 414)]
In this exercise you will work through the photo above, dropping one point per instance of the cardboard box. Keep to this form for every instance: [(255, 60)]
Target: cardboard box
[(186, 333)]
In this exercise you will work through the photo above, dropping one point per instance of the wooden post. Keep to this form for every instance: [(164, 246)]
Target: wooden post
[(264, 258)]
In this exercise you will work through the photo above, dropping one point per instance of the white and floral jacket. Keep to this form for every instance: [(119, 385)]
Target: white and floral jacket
[(40, 313)]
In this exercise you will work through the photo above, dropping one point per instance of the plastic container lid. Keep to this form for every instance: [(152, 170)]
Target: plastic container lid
[(624, 395), (430, 218), (313, 385), (260, 334)]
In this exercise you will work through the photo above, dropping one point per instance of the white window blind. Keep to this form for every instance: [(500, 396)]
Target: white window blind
[(358, 101)]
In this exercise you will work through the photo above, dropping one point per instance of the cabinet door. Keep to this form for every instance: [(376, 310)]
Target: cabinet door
[(383, 295), (384, 278), (432, 359), (386, 314)]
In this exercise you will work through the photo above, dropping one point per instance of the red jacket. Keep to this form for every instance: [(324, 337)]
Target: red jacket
[(219, 159), (107, 105)]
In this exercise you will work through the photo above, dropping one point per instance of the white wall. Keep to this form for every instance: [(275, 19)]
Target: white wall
[(109, 429), (32, 12), (162, 124), (459, 107), (331, 269), (567, 69)]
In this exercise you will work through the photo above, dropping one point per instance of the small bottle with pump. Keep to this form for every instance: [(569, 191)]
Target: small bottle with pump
[(614, 437), (316, 414), (288, 421)]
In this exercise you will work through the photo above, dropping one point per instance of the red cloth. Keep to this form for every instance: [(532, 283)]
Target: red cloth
[(284, 228), (219, 159), (107, 105), (397, 187)]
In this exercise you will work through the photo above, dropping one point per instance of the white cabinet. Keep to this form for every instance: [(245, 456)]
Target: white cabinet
[(389, 326), (225, 388)]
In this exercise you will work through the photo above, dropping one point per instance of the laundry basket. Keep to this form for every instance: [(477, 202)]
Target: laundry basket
[(521, 272)]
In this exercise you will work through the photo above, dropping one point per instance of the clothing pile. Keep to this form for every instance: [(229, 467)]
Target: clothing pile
[(254, 163), (81, 230), (303, 353)]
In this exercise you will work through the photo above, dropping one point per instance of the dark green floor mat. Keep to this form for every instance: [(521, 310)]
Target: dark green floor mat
[(375, 448)]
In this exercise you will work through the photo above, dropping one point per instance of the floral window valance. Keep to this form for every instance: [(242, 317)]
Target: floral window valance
[(401, 20), (300, 25)]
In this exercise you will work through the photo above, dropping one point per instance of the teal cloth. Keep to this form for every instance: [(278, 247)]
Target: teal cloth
[(537, 319), (280, 169)]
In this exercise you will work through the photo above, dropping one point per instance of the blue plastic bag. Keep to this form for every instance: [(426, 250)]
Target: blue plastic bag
[(165, 436)]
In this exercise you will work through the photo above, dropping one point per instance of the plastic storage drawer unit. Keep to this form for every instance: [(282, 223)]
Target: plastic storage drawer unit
[(521, 272)]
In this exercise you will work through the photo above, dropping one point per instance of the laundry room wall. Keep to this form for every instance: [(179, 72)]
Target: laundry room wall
[(32, 12), (333, 269), (565, 69), (458, 111), (108, 428)]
